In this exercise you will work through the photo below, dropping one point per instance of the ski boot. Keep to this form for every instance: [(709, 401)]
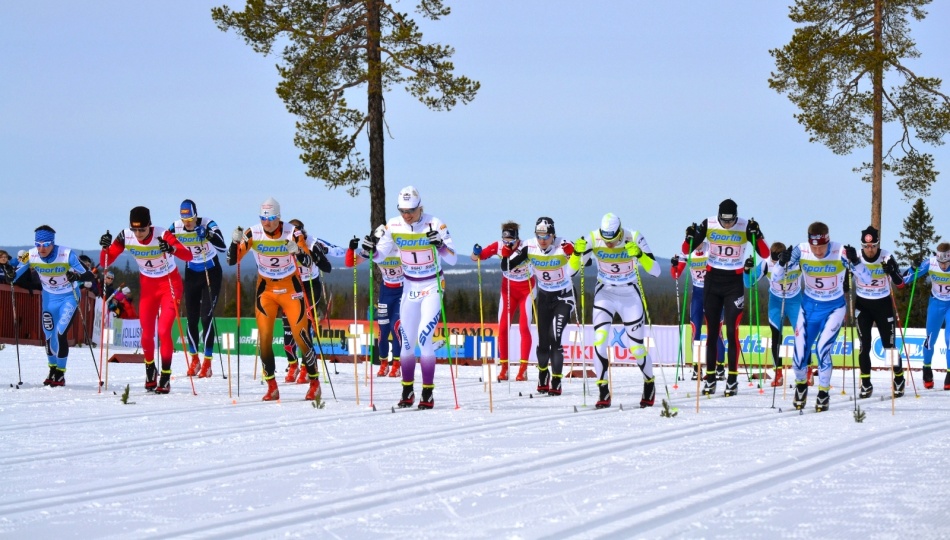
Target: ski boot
[(649, 393), (205, 369), (604, 400), (314, 391), (272, 394), (52, 374), (151, 376), (898, 383), (801, 394), (555, 389), (821, 404), (394, 370), (811, 376), (544, 380), (59, 379), (709, 385), (164, 382), (503, 372), (695, 372), (946, 381), (522, 371), (427, 401), (732, 384), (928, 377), (302, 376), (720, 372), (193, 365), (866, 388), (291, 376), (408, 396), (779, 380), (383, 367)]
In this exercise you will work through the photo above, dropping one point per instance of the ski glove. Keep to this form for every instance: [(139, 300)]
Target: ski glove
[(633, 249), (9, 273), (749, 265), (434, 239), (201, 231), (292, 247), (675, 271), (784, 257), (580, 245), (237, 236), (105, 240), (354, 244), (692, 235), (506, 252), (752, 228), (303, 258), (369, 243), (476, 250), (851, 254), (165, 246), (567, 248), (890, 266)]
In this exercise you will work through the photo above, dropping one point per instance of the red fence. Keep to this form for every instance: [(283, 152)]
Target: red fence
[(28, 309)]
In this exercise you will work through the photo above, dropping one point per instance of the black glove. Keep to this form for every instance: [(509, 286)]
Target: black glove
[(851, 254), (304, 258), (691, 234), (73, 277), (354, 243), (165, 246), (749, 264), (105, 240), (784, 257), (9, 273), (369, 243), (434, 239), (675, 261), (753, 228), (890, 266), (323, 248)]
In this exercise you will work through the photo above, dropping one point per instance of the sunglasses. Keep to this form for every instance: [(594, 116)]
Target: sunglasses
[(406, 212), (138, 229), (869, 246), (43, 244), (544, 237), (269, 218), (188, 219)]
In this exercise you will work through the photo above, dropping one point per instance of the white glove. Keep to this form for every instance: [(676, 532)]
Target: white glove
[(238, 235), (380, 231), (292, 247)]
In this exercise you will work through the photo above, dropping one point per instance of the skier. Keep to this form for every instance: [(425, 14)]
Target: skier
[(549, 257), (874, 305), (278, 248), (697, 271), (618, 293), (387, 308), (312, 288), (517, 292), (724, 294), (937, 268), (62, 276), (160, 287), (202, 281), (423, 244), (785, 299), (823, 265)]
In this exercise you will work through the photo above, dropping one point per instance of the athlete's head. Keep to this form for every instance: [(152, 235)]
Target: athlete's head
[(818, 239), (86, 261), (870, 242), (409, 204), (299, 224), (189, 214), (610, 229), (943, 254), (544, 232), (270, 215), (728, 213), (44, 238), (4, 256), (509, 233), (140, 221), (775, 250)]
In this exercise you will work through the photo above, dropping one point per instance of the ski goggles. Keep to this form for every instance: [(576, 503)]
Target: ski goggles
[(188, 219), (48, 243), (728, 219), (870, 245), (408, 211), (544, 237), (138, 229), (269, 218), (943, 256), (818, 239)]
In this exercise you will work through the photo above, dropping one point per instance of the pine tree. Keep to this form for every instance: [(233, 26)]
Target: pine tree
[(915, 245)]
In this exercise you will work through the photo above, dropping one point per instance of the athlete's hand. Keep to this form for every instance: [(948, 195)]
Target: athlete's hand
[(201, 231), (303, 258), (165, 246), (506, 251), (369, 243), (784, 257), (292, 247), (633, 249), (435, 239), (580, 245), (752, 228), (890, 266), (72, 277), (851, 254), (325, 249), (476, 250), (692, 235), (9, 273), (675, 271), (354, 243), (237, 236), (749, 265), (105, 240)]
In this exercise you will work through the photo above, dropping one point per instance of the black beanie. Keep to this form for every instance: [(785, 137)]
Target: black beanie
[(140, 217), (870, 235), (728, 207), (544, 225)]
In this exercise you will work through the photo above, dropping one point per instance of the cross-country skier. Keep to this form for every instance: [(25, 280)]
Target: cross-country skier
[(823, 264), (937, 268), (62, 277), (424, 245), (203, 275), (874, 305), (517, 291), (160, 287), (278, 248), (618, 293), (724, 295), (785, 299), (697, 272), (549, 257)]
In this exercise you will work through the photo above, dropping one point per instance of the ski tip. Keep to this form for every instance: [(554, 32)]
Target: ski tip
[(394, 410), (575, 408), (530, 396), (621, 407), (374, 408), (519, 393), (779, 409)]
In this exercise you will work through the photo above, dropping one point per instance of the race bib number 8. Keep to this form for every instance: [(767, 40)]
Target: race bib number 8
[(552, 276)]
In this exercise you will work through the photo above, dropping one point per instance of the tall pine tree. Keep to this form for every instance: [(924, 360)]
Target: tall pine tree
[(917, 241)]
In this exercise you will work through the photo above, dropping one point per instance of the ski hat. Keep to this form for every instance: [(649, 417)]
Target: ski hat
[(610, 228), (509, 234), (409, 199), (140, 217), (544, 225), (870, 236), (109, 274), (728, 210), (818, 239), (188, 209), (44, 233), (270, 207)]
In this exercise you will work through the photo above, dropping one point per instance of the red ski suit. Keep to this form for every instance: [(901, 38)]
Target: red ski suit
[(520, 284)]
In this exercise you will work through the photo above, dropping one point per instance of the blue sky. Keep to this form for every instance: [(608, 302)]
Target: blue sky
[(655, 111)]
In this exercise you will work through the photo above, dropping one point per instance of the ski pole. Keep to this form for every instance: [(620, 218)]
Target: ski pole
[(102, 325), (356, 375), (903, 329), (181, 333), (214, 322), (758, 317), (481, 335), (372, 337), (16, 330), (82, 318), (307, 306), (910, 302), (646, 311), (438, 284), (326, 317), (781, 319), (238, 334), (583, 346), (679, 341), (315, 320)]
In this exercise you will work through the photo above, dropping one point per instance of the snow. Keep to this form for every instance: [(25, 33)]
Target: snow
[(78, 464)]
